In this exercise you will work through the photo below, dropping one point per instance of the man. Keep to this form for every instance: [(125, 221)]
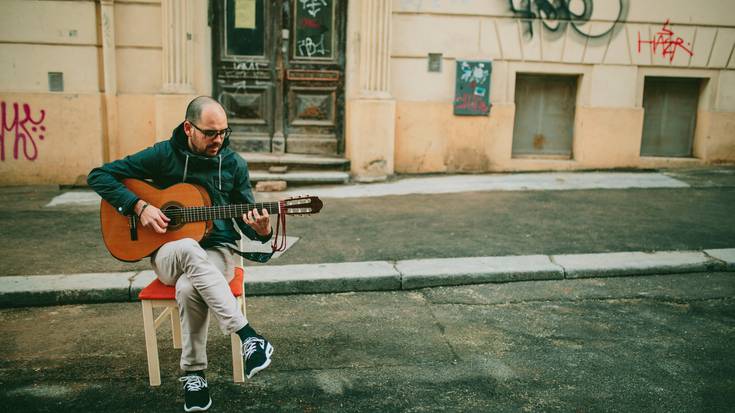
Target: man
[(196, 153)]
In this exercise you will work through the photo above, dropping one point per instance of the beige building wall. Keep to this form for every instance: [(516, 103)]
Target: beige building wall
[(120, 93), (113, 103), (611, 71)]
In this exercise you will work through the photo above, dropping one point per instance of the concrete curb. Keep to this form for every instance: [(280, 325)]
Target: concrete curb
[(39, 290), (635, 263), (457, 271)]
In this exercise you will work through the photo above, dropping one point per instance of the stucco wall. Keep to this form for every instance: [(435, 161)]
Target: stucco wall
[(611, 69), (38, 37), (50, 138)]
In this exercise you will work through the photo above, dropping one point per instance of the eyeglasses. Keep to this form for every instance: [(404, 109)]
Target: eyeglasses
[(211, 133)]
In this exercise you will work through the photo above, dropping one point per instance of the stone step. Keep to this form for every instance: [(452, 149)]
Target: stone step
[(264, 161), (302, 177)]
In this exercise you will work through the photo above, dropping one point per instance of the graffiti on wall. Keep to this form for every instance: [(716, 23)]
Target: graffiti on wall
[(313, 29), (472, 88), (21, 129), (665, 43), (248, 74), (555, 15)]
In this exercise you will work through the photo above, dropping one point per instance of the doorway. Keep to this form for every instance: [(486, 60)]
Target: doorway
[(670, 115), (278, 70), (544, 119)]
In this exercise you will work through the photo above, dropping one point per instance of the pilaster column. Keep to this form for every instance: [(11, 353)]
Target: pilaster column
[(109, 77), (371, 111), (178, 53), (375, 48)]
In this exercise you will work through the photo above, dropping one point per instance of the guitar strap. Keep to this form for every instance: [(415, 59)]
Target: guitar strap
[(278, 245), (253, 256)]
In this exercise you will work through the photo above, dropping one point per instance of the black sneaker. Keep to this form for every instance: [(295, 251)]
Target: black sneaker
[(257, 351), (196, 393)]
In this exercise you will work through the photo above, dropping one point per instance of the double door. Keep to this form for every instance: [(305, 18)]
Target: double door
[(278, 70)]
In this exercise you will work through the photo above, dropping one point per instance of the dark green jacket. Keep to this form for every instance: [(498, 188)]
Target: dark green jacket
[(166, 163)]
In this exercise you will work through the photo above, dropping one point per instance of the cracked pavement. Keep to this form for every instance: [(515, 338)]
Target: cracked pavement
[(650, 343)]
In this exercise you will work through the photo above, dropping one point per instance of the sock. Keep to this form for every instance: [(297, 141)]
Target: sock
[(246, 332), (199, 373)]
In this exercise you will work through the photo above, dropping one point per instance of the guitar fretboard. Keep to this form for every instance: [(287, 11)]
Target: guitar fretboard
[(194, 214)]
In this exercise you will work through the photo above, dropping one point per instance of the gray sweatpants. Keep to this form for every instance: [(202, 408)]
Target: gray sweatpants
[(201, 278)]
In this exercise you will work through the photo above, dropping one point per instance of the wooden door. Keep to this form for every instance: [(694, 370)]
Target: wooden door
[(278, 69)]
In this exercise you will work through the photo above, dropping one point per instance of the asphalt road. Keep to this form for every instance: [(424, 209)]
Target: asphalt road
[(655, 343), (60, 240)]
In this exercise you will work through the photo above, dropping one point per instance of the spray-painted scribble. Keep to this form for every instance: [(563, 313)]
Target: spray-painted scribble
[(313, 6), (310, 23), (22, 128), (247, 66), (555, 15), (251, 77), (667, 43), (308, 47)]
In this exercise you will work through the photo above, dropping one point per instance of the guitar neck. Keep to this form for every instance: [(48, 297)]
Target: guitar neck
[(208, 213)]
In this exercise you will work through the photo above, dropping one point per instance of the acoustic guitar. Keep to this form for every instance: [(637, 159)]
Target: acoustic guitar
[(191, 212)]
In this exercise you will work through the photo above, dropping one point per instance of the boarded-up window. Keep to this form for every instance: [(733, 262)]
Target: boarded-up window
[(544, 121), (670, 106)]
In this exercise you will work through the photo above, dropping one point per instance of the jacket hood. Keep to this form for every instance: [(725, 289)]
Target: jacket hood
[(180, 142)]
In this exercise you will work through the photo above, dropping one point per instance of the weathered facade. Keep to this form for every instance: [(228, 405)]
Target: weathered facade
[(569, 85)]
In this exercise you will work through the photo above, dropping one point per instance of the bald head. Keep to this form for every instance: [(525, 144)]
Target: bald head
[(206, 126), (198, 105)]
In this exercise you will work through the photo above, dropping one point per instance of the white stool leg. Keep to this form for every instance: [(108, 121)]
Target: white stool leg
[(151, 344)]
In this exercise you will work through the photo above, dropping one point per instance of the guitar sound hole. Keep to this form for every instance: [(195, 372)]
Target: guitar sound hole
[(170, 212)]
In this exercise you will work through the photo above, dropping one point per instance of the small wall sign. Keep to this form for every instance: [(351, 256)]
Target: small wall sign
[(472, 88)]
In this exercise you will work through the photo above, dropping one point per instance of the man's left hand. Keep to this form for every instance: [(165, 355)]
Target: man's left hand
[(261, 223)]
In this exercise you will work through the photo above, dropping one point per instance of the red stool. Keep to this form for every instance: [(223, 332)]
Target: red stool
[(158, 294)]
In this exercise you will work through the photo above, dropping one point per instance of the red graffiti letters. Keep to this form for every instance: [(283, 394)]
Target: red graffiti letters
[(471, 102), (665, 39), (18, 122), (310, 23)]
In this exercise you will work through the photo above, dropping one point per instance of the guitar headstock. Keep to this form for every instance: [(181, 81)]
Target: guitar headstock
[(302, 205)]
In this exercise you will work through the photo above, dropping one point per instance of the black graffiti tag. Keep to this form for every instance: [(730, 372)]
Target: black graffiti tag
[(556, 14)]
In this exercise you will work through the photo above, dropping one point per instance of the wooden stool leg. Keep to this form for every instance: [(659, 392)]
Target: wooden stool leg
[(238, 373), (238, 368), (151, 344), (176, 327)]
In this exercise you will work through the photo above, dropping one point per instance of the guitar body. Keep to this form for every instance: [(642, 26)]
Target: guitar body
[(116, 227)]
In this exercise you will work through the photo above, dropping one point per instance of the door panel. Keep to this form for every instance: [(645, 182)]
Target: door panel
[(314, 30), (544, 120), (670, 107), (279, 73), (315, 77), (245, 78), (245, 34)]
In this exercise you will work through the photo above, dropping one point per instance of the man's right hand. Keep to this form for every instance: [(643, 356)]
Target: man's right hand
[(151, 216)]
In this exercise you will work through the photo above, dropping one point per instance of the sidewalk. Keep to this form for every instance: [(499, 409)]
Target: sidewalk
[(509, 227), (23, 291)]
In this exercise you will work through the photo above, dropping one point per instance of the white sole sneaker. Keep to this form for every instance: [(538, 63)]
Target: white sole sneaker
[(268, 353), (197, 408)]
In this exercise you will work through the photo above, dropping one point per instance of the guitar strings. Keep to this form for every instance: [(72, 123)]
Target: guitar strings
[(200, 212)]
